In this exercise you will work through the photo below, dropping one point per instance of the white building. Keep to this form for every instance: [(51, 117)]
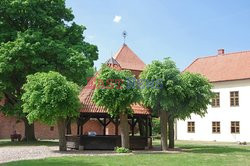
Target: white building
[(228, 117)]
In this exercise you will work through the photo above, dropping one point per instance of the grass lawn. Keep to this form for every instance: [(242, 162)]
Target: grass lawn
[(7, 142), (194, 153)]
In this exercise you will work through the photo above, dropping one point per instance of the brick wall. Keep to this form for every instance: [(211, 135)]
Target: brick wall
[(9, 124)]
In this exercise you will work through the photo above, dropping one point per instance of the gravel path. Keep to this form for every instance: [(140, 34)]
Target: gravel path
[(8, 154), (11, 153)]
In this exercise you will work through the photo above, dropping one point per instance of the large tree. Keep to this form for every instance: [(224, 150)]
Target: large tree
[(50, 98), (165, 96), (112, 92), (197, 95), (39, 36)]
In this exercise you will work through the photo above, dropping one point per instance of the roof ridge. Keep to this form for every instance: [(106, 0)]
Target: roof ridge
[(190, 64), (229, 64), (118, 52), (134, 53), (212, 56), (238, 52)]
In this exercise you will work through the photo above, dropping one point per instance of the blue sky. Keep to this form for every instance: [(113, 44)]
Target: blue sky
[(182, 30)]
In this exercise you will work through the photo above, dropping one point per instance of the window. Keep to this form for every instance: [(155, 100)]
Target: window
[(234, 98), (51, 128), (191, 127), (215, 127), (235, 127), (216, 100)]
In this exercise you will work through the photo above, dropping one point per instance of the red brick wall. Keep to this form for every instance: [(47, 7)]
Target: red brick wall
[(43, 131), (93, 125), (9, 124)]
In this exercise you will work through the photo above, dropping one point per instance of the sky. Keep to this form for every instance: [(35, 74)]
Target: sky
[(156, 29)]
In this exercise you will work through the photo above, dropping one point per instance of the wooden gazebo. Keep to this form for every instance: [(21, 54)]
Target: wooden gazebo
[(140, 122)]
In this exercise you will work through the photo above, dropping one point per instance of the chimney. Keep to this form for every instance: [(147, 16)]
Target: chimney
[(221, 51)]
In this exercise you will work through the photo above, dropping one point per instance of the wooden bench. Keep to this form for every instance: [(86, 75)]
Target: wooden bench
[(14, 137)]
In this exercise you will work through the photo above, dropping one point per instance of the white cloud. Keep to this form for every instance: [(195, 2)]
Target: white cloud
[(91, 37), (117, 19)]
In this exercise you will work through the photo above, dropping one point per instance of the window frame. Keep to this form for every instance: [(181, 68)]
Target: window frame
[(216, 100), (234, 99), (191, 126), (216, 126), (235, 127), (52, 128)]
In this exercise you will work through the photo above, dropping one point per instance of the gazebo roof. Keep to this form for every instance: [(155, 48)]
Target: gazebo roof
[(90, 107), (128, 59), (125, 58)]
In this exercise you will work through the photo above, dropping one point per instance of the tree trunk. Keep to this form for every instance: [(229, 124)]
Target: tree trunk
[(61, 132), (164, 126), (171, 131), (29, 131), (124, 130)]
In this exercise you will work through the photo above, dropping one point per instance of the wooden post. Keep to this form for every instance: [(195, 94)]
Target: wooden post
[(150, 127), (81, 129), (133, 127), (116, 126), (78, 128), (146, 127), (104, 126)]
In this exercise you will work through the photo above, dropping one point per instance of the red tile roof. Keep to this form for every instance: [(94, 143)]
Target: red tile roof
[(90, 107), (223, 67), (128, 59)]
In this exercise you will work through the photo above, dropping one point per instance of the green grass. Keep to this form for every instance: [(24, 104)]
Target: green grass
[(194, 154), (7, 142)]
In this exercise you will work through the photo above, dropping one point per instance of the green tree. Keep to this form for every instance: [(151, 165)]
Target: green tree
[(113, 94), (50, 98), (197, 95), (165, 97), (39, 36), (156, 127)]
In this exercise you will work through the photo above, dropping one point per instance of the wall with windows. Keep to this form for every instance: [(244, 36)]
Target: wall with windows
[(227, 120)]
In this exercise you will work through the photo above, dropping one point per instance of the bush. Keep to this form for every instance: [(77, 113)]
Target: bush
[(156, 127), (121, 150)]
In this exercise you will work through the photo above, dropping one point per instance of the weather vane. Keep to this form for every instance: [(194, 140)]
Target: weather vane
[(124, 34)]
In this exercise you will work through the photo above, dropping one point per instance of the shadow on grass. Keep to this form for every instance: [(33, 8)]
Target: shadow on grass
[(4, 143), (215, 149)]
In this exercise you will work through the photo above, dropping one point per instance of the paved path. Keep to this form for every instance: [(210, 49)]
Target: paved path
[(16, 153), (8, 154)]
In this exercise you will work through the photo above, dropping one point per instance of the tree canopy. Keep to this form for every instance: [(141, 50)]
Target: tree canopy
[(112, 91), (49, 96), (169, 93), (39, 36), (197, 95)]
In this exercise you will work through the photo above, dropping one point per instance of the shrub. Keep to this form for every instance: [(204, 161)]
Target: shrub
[(121, 150), (156, 127)]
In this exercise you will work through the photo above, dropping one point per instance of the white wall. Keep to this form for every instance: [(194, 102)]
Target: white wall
[(225, 114)]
